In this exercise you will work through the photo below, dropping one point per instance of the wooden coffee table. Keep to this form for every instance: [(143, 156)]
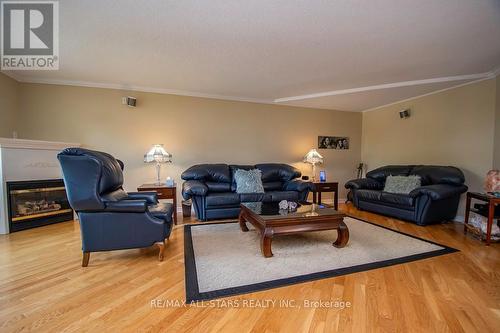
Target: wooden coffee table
[(271, 222)]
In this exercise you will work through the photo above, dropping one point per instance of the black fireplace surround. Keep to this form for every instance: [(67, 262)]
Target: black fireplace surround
[(36, 203)]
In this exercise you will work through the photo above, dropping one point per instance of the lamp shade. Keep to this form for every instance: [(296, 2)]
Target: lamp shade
[(157, 154), (313, 157)]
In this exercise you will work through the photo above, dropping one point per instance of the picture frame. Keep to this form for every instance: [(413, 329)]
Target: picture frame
[(333, 142)]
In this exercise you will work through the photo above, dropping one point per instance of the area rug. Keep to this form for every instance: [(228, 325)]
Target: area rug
[(221, 260)]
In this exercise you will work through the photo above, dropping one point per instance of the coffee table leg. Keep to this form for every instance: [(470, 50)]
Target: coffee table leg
[(265, 243), (343, 235), (241, 220)]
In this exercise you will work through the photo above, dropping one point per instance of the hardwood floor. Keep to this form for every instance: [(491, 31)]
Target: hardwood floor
[(43, 288)]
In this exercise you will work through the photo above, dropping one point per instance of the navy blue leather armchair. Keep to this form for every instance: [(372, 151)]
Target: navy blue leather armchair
[(110, 218)]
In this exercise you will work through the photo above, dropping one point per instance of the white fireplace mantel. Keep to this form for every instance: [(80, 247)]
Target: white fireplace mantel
[(35, 144), (27, 160)]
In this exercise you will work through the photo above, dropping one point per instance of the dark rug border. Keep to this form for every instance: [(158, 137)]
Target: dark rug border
[(193, 292)]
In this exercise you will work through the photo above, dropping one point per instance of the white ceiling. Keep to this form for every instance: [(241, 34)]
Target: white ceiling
[(261, 50)]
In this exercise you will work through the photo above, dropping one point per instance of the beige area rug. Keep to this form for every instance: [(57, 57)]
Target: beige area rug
[(221, 260)]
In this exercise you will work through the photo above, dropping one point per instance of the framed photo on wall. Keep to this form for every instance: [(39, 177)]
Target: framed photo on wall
[(333, 142)]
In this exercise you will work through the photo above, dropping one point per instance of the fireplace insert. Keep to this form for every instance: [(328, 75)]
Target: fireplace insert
[(35, 203)]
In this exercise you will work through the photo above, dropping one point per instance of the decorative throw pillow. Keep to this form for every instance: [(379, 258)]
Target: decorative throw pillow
[(402, 184), (248, 181)]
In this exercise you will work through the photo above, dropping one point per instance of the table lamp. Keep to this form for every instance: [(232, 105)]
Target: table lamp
[(157, 154), (313, 157)]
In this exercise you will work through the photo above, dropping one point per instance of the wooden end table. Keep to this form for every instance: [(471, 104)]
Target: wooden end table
[(492, 202), (320, 187), (164, 192), (270, 222)]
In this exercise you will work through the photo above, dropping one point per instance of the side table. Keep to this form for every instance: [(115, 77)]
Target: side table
[(320, 187), (164, 192), (492, 202)]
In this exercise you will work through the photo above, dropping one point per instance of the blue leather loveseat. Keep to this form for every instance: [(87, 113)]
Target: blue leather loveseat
[(213, 190), (435, 201)]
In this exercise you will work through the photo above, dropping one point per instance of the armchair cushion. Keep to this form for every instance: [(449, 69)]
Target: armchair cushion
[(364, 183), (439, 191), (193, 187), (131, 206), (162, 210), (117, 195), (150, 197), (298, 185)]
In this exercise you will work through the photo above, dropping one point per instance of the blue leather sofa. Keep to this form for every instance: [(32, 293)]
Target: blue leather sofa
[(435, 201), (213, 190), (110, 218)]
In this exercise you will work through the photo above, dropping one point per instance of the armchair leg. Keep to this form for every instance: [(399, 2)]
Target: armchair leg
[(85, 259), (161, 246)]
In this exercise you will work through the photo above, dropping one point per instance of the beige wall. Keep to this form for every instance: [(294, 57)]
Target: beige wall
[(8, 105), (457, 127), (454, 127), (496, 147), (194, 130)]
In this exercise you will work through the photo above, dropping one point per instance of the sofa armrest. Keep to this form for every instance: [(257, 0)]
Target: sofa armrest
[(126, 206), (191, 188), (364, 183), (150, 197), (439, 191), (298, 185)]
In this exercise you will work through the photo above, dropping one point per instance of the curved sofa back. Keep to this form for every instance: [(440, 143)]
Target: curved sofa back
[(220, 177), (430, 174)]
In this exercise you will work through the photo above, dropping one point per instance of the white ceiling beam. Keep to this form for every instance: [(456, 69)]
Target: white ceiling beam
[(387, 86)]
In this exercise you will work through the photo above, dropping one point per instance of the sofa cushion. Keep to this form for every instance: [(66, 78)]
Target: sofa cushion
[(255, 197), (222, 199), (380, 174), (248, 181), (208, 172), (218, 187), (277, 196), (232, 170), (276, 172), (368, 195), (402, 184), (433, 174), (397, 199), (273, 186)]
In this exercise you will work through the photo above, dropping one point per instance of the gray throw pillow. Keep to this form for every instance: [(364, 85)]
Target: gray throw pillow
[(402, 184), (248, 181)]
